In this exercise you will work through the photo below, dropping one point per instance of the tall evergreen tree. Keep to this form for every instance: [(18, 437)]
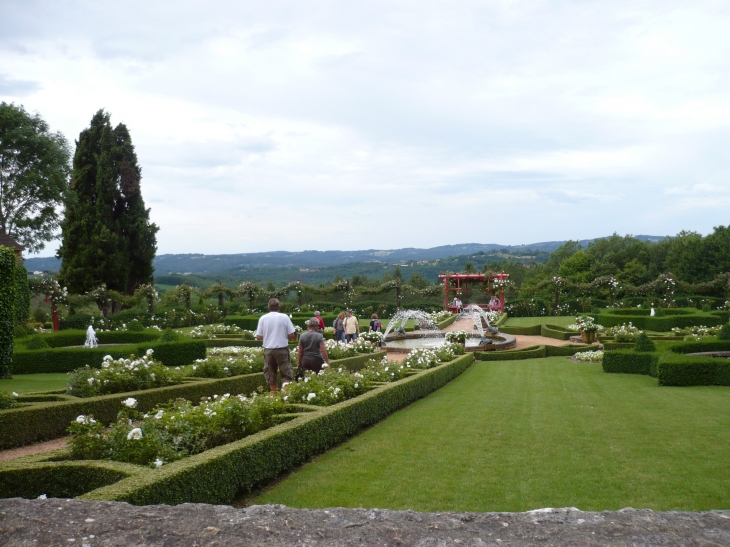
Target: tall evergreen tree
[(107, 235)]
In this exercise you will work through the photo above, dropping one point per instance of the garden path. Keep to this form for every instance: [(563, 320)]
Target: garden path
[(29, 450), (522, 341)]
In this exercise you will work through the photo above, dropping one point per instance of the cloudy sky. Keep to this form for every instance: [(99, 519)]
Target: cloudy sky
[(339, 125)]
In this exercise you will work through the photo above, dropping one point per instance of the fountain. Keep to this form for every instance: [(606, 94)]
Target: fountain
[(91, 341), (396, 339)]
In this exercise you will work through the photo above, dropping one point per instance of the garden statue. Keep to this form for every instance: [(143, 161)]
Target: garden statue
[(91, 341)]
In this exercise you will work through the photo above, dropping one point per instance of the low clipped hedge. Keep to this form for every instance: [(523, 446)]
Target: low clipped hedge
[(533, 352), (556, 331), (66, 338), (712, 344), (44, 421), (246, 322), (700, 370), (172, 354), (664, 321), (630, 362), (533, 330), (61, 480), (609, 346), (218, 474), (356, 363)]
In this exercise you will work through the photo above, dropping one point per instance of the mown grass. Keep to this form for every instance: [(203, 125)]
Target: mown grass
[(515, 436), (23, 383)]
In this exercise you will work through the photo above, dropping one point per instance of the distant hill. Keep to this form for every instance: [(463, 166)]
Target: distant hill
[(237, 265)]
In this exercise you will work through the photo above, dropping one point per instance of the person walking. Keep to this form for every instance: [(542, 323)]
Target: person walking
[(275, 330), (352, 327), (320, 321), (312, 353), (339, 326)]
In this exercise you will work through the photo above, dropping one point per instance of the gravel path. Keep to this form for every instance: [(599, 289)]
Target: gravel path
[(37, 448)]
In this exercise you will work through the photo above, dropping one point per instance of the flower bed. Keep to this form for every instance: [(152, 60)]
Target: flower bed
[(172, 431), (121, 375), (217, 475), (624, 333), (693, 334), (222, 364), (589, 356), (211, 331)]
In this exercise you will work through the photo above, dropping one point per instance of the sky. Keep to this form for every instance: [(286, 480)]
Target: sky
[(263, 126)]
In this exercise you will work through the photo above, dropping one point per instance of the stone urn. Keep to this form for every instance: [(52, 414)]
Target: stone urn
[(589, 336)]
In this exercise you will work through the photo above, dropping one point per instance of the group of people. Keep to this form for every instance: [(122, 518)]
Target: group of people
[(494, 304), (275, 329)]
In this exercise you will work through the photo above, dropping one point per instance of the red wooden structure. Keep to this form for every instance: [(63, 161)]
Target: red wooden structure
[(458, 285)]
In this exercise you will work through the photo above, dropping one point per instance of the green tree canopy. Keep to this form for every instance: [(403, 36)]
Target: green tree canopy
[(107, 234), (34, 171)]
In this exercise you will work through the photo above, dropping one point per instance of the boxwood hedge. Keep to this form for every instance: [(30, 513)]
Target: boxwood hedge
[(65, 338), (664, 321), (533, 352), (532, 330), (556, 331), (217, 475), (685, 370), (178, 353), (630, 362)]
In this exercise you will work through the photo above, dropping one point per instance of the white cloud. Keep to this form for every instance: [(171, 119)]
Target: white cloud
[(404, 124)]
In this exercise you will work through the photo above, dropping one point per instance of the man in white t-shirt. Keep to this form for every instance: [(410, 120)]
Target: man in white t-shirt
[(275, 330)]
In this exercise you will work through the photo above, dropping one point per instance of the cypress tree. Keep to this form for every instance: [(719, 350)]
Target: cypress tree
[(7, 303), (644, 343), (107, 236), (22, 294)]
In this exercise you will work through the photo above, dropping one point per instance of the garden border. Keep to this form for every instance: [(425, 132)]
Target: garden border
[(217, 475)]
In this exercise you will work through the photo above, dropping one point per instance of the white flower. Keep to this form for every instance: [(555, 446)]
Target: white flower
[(150, 352), (159, 462), (107, 358), (311, 396), (42, 497), (15, 394), (81, 419), (130, 403), (135, 434), (91, 381), (159, 414)]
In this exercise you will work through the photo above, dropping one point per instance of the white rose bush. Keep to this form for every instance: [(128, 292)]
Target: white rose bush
[(172, 431), (120, 375), (223, 364)]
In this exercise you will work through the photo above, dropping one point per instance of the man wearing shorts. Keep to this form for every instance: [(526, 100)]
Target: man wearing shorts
[(352, 327), (275, 330)]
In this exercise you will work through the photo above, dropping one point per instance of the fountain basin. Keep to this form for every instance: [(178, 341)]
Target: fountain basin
[(404, 343)]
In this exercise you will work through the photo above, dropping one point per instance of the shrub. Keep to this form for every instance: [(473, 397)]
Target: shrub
[(78, 321), (383, 371), (19, 331), (175, 354), (724, 333), (211, 331), (248, 335), (135, 326), (7, 302), (556, 331), (328, 387), (169, 335), (36, 342), (533, 330), (706, 308), (421, 359), (630, 362), (121, 375), (173, 431), (644, 343), (7, 399), (684, 370), (339, 350), (224, 366)]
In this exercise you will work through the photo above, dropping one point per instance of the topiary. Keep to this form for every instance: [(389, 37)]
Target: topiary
[(169, 335), (19, 331), (36, 342), (706, 308), (724, 333), (644, 343), (135, 326)]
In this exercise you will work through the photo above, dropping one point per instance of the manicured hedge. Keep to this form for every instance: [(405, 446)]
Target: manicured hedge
[(533, 330), (356, 363), (65, 359), (533, 352), (555, 331), (246, 322), (630, 362), (448, 321), (60, 480), (43, 421), (218, 474), (609, 346), (68, 338), (684, 370), (171, 354), (713, 344), (664, 321)]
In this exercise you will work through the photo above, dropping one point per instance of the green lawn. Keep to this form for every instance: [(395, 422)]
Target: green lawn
[(515, 436), (561, 321), (23, 383)]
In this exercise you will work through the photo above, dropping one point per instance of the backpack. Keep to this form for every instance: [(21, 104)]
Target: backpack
[(334, 323)]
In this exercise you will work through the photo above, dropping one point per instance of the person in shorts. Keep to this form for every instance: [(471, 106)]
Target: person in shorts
[(275, 330), (312, 352), (352, 327)]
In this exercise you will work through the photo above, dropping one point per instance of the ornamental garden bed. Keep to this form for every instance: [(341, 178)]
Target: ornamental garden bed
[(664, 320), (216, 475)]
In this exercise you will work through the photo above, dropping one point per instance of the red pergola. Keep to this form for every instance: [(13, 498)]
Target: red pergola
[(457, 284)]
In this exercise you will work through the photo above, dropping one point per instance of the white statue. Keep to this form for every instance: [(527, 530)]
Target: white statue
[(652, 312), (91, 341)]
